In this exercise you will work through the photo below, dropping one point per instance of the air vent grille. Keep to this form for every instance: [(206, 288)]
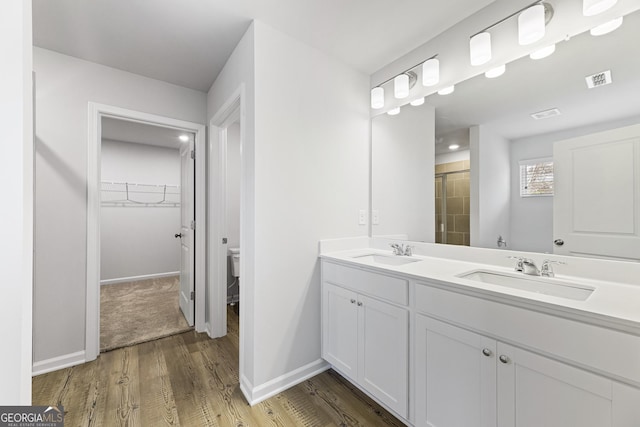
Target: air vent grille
[(599, 79), (546, 114)]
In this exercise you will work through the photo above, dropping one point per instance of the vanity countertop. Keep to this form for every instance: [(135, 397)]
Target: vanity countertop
[(611, 304)]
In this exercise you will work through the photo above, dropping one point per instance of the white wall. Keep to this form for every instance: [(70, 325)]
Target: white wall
[(454, 156), (139, 240), (233, 185), (233, 200), (311, 178), (403, 173), (490, 187), (65, 86), (16, 212), (239, 74), (532, 217)]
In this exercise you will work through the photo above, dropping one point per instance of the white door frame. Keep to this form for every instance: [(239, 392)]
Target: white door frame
[(230, 112), (96, 113)]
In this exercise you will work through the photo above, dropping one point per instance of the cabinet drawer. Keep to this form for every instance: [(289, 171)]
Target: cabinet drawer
[(605, 350), (378, 285)]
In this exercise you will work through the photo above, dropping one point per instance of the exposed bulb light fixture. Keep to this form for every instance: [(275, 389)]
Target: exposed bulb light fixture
[(480, 48), (607, 27), (377, 98), (453, 147), (394, 111), (401, 86), (495, 72), (431, 72), (417, 102), (184, 138), (447, 90), (544, 52), (594, 7), (531, 25)]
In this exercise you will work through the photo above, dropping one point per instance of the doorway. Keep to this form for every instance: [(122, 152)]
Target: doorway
[(452, 203), (192, 265), (146, 191)]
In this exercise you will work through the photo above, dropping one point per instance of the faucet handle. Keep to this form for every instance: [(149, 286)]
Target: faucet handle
[(546, 269), (519, 265), (408, 250)]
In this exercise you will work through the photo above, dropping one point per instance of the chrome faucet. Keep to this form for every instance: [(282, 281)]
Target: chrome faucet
[(529, 267), (400, 249), (397, 248), (546, 270), (519, 267)]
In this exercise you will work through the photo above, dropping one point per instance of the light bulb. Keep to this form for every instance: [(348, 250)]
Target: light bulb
[(377, 98), (480, 48), (531, 25), (417, 102), (607, 27), (184, 138), (594, 7), (431, 72), (454, 147), (394, 111), (447, 90), (544, 52), (495, 72), (401, 86)]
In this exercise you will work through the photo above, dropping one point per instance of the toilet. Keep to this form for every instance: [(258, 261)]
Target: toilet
[(235, 261)]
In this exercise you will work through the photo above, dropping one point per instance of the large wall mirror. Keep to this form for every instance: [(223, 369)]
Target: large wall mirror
[(477, 167)]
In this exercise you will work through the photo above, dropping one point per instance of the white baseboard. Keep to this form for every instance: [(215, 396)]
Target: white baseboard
[(59, 362), (255, 395), (136, 278)]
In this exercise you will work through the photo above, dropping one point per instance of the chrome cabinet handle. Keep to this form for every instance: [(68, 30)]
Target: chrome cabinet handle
[(486, 352), (359, 304), (504, 359), (353, 301), (558, 242), (177, 235)]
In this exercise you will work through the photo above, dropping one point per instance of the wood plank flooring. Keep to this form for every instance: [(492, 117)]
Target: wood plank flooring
[(191, 380)]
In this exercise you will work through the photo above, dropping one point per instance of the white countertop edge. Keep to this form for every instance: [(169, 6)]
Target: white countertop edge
[(598, 309)]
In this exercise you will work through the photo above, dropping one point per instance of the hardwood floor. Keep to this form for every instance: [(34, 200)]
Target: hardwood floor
[(191, 380)]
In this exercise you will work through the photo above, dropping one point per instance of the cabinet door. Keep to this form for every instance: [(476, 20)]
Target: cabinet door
[(455, 374), (535, 391), (340, 329), (384, 352)]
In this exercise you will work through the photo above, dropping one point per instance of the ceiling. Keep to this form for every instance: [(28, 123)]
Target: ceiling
[(141, 133), (505, 104), (187, 42)]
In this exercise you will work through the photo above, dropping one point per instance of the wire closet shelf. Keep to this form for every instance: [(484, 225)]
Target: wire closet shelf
[(129, 194)]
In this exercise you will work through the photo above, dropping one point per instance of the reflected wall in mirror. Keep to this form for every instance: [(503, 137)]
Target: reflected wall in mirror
[(491, 121)]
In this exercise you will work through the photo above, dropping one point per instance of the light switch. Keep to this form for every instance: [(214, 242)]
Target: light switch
[(362, 217), (375, 217)]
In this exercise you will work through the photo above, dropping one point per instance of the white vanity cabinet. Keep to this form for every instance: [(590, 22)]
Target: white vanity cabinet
[(465, 378), (455, 376), (365, 331)]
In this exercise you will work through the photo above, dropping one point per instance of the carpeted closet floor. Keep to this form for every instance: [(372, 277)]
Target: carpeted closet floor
[(135, 312)]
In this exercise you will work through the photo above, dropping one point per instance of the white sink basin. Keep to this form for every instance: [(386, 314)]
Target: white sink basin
[(540, 285), (386, 259)]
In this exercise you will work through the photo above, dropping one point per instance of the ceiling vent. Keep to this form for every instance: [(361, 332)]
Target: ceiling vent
[(599, 79), (546, 114)]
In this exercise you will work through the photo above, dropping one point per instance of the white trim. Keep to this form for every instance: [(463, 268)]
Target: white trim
[(231, 111), (60, 362), (277, 385), (137, 278), (96, 112)]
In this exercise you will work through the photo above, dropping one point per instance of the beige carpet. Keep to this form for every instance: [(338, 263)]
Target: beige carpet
[(135, 312)]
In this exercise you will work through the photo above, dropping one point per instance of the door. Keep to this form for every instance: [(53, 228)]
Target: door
[(340, 329), (596, 208), (455, 376), (535, 391), (383, 351), (187, 264)]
